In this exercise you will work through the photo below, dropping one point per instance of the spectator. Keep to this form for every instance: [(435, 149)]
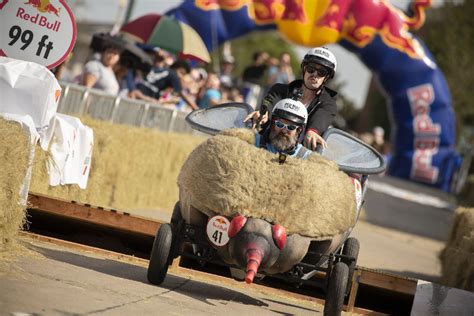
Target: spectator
[(125, 72), (256, 72), (225, 76), (379, 142), (160, 78), (231, 95), (212, 95), (99, 74), (282, 73), (253, 77)]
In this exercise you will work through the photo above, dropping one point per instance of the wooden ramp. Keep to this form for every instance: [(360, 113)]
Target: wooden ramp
[(392, 287)]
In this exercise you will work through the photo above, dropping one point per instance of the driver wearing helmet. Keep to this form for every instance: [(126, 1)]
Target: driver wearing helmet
[(287, 121), (318, 67)]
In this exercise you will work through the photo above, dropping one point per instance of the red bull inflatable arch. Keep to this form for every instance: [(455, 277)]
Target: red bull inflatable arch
[(423, 119)]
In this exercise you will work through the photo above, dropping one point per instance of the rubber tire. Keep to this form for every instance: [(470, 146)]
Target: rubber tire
[(176, 217), (160, 253), (336, 291), (176, 221), (351, 249)]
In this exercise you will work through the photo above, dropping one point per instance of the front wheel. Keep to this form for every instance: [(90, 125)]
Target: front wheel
[(160, 255), (336, 291)]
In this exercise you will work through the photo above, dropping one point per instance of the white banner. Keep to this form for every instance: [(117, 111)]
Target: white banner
[(71, 149)]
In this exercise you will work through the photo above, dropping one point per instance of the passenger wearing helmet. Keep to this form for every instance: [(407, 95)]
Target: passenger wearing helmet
[(318, 67), (287, 121)]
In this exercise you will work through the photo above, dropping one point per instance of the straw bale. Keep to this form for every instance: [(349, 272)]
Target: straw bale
[(14, 156), (132, 168), (457, 258), (227, 175)]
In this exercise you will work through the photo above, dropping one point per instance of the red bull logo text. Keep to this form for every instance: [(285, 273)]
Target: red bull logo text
[(41, 20), (427, 134)]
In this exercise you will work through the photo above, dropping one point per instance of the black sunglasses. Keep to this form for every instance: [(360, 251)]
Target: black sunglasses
[(320, 72)]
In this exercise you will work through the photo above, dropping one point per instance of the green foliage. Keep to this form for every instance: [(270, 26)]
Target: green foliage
[(449, 34), (244, 47)]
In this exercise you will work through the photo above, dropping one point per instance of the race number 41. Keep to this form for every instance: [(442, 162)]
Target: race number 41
[(217, 230), (40, 31)]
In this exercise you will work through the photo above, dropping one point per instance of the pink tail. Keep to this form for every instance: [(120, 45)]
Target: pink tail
[(254, 258)]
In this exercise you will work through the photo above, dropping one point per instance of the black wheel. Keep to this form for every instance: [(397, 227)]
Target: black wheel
[(160, 255), (336, 291), (176, 217), (351, 249), (177, 222)]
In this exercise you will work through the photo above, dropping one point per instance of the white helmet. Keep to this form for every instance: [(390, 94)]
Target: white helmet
[(291, 110), (322, 56)]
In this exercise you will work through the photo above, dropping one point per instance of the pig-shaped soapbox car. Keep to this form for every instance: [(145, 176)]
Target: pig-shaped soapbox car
[(228, 215)]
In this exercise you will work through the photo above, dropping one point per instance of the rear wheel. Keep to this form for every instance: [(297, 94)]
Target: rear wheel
[(336, 291), (160, 255), (351, 249)]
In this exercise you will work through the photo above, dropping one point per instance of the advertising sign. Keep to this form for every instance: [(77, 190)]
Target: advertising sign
[(41, 31)]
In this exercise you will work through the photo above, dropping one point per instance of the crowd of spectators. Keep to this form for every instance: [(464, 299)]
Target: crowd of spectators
[(180, 84)]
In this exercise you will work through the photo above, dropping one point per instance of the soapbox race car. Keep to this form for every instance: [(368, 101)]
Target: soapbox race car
[(253, 248)]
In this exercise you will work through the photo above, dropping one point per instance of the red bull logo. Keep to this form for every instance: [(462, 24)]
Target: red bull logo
[(220, 221), (355, 24), (44, 6)]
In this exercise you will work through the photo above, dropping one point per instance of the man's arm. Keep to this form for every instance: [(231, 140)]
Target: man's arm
[(277, 92), (188, 100)]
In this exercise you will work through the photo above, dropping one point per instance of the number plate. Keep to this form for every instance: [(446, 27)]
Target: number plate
[(358, 192), (217, 230)]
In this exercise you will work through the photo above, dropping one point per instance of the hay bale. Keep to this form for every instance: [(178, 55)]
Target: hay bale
[(457, 258), (227, 175), (132, 168), (14, 157)]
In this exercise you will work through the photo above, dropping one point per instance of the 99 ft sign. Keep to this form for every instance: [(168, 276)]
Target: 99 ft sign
[(26, 37), (40, 31)]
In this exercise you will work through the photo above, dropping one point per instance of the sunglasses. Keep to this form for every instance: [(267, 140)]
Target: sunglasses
[(320, 72), (280, 125)]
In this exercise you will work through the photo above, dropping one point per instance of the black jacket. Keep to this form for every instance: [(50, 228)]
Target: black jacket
[(321, 111)]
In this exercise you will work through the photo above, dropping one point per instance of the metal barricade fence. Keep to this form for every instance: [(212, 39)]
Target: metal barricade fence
[(79, 100)]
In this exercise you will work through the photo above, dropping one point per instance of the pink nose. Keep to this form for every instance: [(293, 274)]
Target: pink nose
[(254, 258)]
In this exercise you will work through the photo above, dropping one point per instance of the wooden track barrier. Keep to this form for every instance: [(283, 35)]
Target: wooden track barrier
[(117, 220)]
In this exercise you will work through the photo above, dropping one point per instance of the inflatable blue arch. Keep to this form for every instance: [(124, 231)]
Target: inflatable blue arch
[(423, 122)]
